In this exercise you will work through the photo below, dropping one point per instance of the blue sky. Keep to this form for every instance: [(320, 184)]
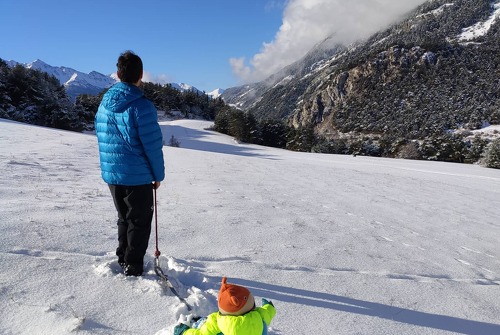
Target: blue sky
[(207, 44)]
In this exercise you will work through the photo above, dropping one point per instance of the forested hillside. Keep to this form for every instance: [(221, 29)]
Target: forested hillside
[(415, 90), (34, 97)]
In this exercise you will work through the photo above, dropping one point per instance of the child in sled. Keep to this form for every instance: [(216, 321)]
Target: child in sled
[(237, 315)]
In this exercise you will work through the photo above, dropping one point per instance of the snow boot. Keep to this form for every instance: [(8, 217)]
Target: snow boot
[(133, 270)]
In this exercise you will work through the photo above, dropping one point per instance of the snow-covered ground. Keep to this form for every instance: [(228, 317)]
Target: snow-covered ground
[(491, 132), (340, 244), (481, 28)]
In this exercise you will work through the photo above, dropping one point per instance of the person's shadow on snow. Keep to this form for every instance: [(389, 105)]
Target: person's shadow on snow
[(336, 302)]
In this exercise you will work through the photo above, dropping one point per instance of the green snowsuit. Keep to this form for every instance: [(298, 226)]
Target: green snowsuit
[(254, 322)]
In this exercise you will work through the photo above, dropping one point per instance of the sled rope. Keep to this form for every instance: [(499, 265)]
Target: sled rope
[(158, 269)]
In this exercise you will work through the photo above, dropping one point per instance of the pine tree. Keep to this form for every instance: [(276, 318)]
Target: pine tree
[(237, 125), (5, 100), (221, 123), (492, 157), (273, 133)]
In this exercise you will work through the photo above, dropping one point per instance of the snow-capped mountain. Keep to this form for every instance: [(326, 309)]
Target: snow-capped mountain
[(68, 76), (216, 93), (77, 82), (185, 87), (74, 81)]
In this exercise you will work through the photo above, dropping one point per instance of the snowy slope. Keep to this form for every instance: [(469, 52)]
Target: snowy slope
[(66, 75), (74, 81), (216, 93), (340, 244), (185, 87), (481, 28)]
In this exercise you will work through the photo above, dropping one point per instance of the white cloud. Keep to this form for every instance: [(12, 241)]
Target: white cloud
[(239, 68), (307, 22), (149, 77), (154, 78)]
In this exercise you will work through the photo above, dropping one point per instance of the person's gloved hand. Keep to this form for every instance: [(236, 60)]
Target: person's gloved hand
[(265, 302), (180, 328)]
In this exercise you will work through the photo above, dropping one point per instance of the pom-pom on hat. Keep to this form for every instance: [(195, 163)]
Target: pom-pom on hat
[(234, 299)]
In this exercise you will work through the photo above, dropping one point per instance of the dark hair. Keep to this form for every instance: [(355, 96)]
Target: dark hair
[(129, 67)]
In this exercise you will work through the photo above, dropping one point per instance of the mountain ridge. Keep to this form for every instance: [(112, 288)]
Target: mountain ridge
[(434, 72), (76, 82)]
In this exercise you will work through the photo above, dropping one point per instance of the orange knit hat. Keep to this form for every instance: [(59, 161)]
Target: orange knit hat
[(234, 299)]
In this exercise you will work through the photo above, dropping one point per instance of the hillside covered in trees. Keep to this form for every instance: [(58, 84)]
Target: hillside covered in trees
[(415, 90), (34, 97)]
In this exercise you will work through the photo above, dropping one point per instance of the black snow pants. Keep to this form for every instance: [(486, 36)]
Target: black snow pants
[(134, 205)]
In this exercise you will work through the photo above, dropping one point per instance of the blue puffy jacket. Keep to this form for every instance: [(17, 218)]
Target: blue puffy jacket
[(129, 136)]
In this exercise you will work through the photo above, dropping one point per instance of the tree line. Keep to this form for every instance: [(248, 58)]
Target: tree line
[(449, 147), (35, 97)]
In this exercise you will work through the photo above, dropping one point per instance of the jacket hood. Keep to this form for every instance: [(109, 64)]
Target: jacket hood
[(120, 96)]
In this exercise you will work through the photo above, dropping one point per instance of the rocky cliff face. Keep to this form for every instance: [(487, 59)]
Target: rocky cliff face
[(436, 71)]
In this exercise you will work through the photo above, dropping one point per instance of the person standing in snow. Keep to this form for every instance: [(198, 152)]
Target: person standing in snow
[(131, 157), (237, 315)]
